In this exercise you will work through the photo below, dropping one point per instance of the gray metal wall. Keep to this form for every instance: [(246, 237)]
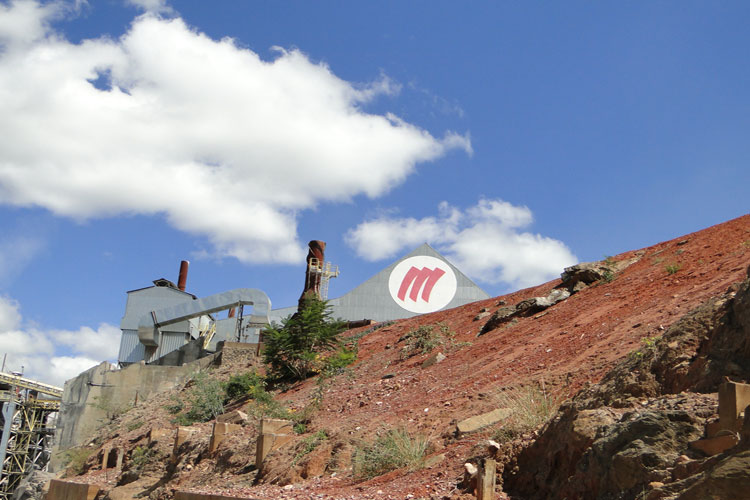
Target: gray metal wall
[(131, 349), (141, 302)]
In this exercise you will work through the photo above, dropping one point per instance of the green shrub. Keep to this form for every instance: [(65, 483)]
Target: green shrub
[(672, 268), (75, 459), (309, 444), (338, 361), (135, 424), (293, 350), (425, 338), (245, 384), (530, 406), (141, 457), (393, 450), (206, 400), (176, 406)]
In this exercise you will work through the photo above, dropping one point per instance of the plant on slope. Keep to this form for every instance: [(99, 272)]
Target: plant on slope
[(75, 460), (425, 338), (245, 384), (672, 268), (395, 449), (205, 396), (530, 406), (295, 350), (309, 444), (141, 457)]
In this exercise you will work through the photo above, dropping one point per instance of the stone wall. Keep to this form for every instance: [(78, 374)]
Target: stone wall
[(241, 354)]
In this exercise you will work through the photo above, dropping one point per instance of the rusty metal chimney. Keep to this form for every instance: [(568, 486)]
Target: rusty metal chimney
[(182, 281), (316, 250)]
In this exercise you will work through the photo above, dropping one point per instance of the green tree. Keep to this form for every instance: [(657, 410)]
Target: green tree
[(293, 350)]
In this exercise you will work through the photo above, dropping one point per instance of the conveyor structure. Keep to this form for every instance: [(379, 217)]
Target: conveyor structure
[(28, 425)]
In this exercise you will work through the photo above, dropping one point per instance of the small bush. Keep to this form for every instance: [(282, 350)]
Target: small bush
[(530, 406), (393, 450), (176, 406), (135, 424), (648, 346), (309, 444), (338, 361), (425, 338), (75, 459), (293, 349), (141, 457), (246, 384), (206, 400), (672, 268)]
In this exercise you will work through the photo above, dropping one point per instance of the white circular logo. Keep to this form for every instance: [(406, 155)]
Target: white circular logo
[(422, 284)]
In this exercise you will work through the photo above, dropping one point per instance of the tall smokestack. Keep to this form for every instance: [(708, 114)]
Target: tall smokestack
[(316, 250), (182, 281)]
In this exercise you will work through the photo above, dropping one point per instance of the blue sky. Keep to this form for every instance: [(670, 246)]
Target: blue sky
[(514, 137)]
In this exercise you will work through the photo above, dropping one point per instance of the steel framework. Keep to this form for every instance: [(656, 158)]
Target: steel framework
[(28, 426), (318, 275)]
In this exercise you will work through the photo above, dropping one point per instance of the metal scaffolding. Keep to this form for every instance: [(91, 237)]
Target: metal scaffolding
[(28, 426), (318, 275)]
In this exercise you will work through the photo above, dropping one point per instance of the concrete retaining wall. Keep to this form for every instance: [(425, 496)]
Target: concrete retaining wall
[(64, 490), (93, 396)]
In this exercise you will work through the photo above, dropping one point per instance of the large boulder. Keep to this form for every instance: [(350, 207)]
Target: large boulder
[(585, 272), (524, 308)]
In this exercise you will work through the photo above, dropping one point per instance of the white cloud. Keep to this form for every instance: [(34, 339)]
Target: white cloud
[(484, 241), (25, 21), (167, 121), (52, 356), (102, 343), (16, 252), (10, 317), (64, 368), (151, 5)]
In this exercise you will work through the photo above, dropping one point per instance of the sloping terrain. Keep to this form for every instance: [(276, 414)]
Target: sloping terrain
[(561, 349)]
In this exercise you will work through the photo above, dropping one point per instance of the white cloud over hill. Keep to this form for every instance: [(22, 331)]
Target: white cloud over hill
[(167, 121), (485, 241)]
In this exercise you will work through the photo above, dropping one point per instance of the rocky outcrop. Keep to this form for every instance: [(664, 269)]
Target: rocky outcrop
[(524, 308), (576, 278), (725, 477), (585, 273), (628, 436)]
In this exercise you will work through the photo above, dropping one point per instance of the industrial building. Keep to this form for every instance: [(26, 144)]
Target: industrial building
[(164, 324), (420, 282)]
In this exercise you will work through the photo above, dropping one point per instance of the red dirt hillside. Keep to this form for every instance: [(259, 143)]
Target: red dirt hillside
[(568, 345)]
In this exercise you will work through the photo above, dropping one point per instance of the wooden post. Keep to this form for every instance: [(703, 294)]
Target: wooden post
[(486, 480)]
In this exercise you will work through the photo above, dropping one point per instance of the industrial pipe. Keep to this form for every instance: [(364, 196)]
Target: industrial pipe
[(182, 281)]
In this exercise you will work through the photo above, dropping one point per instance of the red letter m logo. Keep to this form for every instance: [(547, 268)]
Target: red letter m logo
[(418, 277)]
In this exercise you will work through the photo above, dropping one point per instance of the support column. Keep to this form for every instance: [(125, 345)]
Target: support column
[(9, 408), (486, 480)]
